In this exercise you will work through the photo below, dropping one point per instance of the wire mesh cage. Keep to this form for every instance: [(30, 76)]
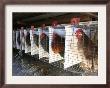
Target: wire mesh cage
[(69, 49)]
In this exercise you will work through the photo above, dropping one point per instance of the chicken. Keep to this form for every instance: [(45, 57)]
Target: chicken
[(28, 42), (36, 39), (58, 41), (18, 38), (22, 39), (44, 40), (88, 47)]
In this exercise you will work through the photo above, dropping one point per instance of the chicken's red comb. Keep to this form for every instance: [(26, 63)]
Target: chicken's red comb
[(75, 21), (32, 27), (79, 30), (54, 23)]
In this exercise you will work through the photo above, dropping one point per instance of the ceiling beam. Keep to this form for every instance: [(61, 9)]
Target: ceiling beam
[(43, 16)]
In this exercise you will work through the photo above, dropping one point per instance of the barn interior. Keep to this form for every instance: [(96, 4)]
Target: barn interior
[(25, 64)]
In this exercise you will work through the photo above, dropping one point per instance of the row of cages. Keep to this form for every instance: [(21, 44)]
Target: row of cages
[(70, 47)]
